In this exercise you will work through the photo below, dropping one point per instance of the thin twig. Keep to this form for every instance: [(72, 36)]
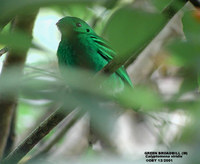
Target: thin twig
[(44, 72), (3, 51)]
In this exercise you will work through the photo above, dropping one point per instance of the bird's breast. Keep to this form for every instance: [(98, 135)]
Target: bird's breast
[(80, 52)]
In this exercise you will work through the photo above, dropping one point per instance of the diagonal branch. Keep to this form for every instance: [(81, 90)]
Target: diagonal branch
[(118, 61), (40, 132), (67, 123)]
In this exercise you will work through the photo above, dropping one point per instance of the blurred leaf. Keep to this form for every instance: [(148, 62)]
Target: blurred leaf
[(79, 10), (186, 53), (76, 84), (15, 40), (160, 4), (128, 29), (6, 29), (140, 98), (191, 134), (191, 26), (7, 9), (127, 97), (100, 159), (190, 137), (110, 3)]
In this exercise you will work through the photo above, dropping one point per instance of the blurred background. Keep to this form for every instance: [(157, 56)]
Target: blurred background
[(157, 41)]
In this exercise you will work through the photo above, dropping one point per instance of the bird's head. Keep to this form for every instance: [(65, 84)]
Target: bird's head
[(71, 25)]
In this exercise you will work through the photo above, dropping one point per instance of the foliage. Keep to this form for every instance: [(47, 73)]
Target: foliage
[(129, 29)]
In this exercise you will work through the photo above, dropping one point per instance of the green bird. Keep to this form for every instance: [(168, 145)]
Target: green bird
[(81, 47)]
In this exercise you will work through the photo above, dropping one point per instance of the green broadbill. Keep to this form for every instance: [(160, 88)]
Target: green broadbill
[(81, 47)]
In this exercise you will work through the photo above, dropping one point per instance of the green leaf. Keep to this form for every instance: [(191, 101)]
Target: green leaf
[(129, 29), (83, 88), (186, 53), (191, 26), (7, 9), (79, 10), (140, 98), (160, 4), (15, 40)]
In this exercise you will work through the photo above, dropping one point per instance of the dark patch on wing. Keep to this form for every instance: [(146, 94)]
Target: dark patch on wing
[(103, 56)]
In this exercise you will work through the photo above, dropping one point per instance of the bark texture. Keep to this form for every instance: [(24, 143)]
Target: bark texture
[(13, 59)]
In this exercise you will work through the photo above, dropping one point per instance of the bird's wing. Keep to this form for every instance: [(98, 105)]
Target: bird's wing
[(108, 53)]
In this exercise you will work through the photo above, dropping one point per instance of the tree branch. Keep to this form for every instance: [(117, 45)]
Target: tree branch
[(40, 132), (17, 59), (144, 65), (3, 51), (12, 136), (67, 123), (118, 61), (47, 113)]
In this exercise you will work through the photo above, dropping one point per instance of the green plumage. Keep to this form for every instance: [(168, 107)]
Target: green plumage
[(81, 47)]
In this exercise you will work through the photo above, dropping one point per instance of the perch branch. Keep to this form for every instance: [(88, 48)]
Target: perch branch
[(67, 123), (40, 132)]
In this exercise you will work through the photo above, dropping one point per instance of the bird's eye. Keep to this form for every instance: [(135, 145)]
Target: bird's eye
[(78, 25), (87, 30)]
